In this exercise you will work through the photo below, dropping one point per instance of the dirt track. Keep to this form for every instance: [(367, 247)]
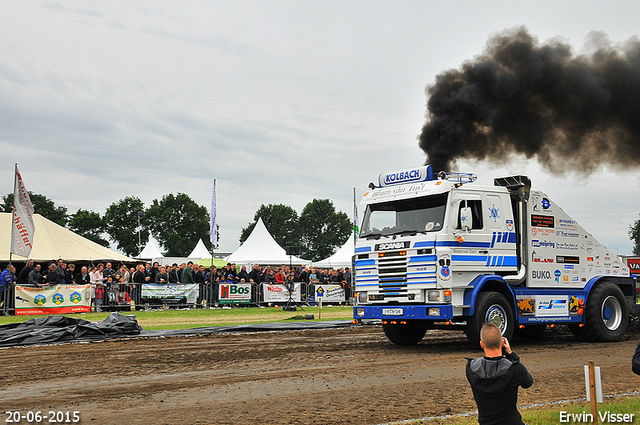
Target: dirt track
[(343, 376)]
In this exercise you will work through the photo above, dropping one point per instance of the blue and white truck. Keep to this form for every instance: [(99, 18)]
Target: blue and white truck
[(441, 251)]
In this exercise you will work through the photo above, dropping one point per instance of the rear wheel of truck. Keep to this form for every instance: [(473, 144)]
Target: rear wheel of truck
[(494, 308), (606, 315), (409, 334)]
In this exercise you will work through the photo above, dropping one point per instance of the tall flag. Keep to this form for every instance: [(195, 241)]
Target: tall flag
[(23, 228), (214, 226), (356, 229)]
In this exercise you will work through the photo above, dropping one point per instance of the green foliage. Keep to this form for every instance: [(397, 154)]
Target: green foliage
[(177, 222), (634, 235), (88, 224), (121, 224), (41, 205), (322, 229), (280, 220)]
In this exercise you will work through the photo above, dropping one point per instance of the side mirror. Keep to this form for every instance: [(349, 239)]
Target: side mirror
[(466, 219)]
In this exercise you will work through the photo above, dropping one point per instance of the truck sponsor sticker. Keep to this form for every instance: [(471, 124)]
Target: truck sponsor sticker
[(566, 259), (542, 221), (552, 305)]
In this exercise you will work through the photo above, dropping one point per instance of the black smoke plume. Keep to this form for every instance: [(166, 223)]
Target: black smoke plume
[(570, 112)]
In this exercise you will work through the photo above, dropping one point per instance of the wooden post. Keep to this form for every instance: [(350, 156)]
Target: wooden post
[(592, 391), (319, 308)]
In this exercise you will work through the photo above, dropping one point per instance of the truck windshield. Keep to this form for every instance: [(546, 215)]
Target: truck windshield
[(405, 216)]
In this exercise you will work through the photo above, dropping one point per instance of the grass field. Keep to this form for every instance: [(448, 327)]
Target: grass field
[(184, 319), (552, 414)]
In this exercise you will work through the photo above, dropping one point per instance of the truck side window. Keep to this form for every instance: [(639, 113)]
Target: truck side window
[(476, 211)]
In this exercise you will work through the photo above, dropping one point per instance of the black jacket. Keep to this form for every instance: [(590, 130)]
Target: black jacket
[(494, 382), (635, 365)]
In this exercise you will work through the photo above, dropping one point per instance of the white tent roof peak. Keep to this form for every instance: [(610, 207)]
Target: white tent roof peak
[(261, 248), (150, 250), (342, 257), (200, 251)]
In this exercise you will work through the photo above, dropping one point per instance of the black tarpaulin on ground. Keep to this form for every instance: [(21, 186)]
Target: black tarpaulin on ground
[(258, 327), (53, 329), (57, 329)]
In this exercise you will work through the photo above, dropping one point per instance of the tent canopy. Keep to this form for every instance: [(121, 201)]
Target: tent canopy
[(200, 251), (342, 257), (52, 241), (261, 248), (150, 250)]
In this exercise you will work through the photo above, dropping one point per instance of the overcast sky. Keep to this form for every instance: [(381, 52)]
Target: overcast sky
[(280, 101)]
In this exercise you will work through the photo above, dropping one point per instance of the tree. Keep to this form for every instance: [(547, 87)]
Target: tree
[(280, 220), (177, 222), (41, 205), (121, 224), (88, 224), (322, 229), (634, 235)]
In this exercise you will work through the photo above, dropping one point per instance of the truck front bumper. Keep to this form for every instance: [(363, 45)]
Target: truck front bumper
[(404, 312)]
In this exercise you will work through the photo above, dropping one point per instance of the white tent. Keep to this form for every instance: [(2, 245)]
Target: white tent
[(52, 241), (261, 248), (150, 250), (342, 257), (200, 251)]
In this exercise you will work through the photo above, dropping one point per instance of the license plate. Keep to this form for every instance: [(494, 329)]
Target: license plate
[(392, 312)]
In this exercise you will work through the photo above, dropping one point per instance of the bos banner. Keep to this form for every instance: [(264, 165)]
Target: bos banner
[(330, 293), (280, 293), (234, 294), (53, 299), (170, 291)]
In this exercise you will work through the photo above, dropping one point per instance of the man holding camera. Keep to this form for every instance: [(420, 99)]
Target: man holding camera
[(495, 379)]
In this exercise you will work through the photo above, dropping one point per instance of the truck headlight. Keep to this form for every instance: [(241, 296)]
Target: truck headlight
[(360, 312), (434, 295), (433, 311), (362, 297)]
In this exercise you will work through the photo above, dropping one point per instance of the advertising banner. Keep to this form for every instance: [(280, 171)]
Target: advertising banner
[(234, 294), (330, 293), (55, 299), (634, 266), (170, 291), (280, 293)]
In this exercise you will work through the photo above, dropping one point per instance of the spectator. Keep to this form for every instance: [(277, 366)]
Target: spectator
[(254, 275), (495, 379), (173, 274), (279, 277), (83, 277), (23, 277), (35, 278), (53, 277), (108, 271), (187, 274), (99, 296), (243, 276), (68, 274), (161, 276), (125, 275), (154, 271)]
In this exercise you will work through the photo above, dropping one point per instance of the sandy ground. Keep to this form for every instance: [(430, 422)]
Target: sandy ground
[(338, 376)]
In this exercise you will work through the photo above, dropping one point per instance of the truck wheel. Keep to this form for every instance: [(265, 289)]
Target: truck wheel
[(494, 308), (409, 334), (606, 314)]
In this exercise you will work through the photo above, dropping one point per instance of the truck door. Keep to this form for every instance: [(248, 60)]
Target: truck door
[(470, 246)]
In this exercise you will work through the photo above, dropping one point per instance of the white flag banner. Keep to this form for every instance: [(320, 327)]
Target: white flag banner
[(214, 225), (23, 227)]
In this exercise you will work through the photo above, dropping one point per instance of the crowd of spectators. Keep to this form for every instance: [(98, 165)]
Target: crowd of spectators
[(111, 286)]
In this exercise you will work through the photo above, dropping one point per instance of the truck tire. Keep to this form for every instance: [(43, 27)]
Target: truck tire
[(409, 334), (494, 308), (606, 315)]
